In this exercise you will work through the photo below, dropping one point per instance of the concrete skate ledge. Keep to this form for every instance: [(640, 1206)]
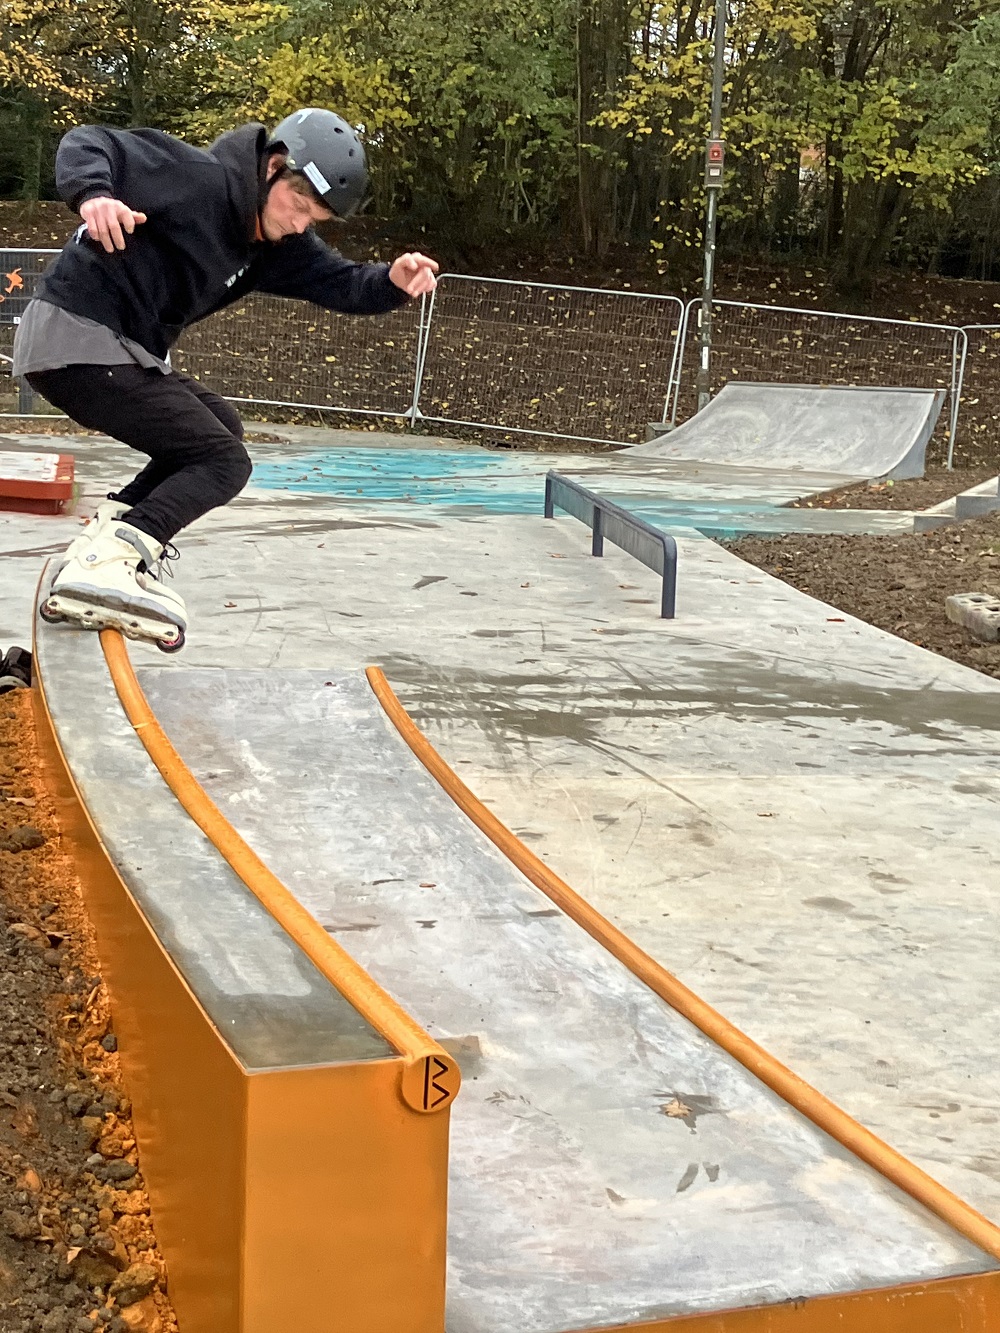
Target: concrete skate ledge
[(378, 1008), (287, 1130), (556, 1107), (273, 1135), (975, 506), (795, 1091)]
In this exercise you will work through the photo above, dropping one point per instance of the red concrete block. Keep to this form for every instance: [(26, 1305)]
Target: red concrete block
[(36, 483)]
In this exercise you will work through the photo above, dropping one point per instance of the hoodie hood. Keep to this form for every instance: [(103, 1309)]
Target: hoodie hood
[(199, 250), (243, 155)]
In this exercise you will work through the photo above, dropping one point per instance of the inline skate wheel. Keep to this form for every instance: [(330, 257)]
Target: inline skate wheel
[(173, 645)]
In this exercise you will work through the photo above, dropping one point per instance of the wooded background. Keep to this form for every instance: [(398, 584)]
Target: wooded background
[(861, 134)]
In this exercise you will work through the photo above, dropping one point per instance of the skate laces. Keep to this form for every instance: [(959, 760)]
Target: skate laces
[(162, 567), (153, 566)]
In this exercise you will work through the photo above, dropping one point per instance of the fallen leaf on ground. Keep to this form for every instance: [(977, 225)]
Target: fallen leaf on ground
[(676, 1109)]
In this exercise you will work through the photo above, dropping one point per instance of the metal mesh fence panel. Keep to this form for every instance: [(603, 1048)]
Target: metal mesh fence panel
[(980, 393), (565, 362), (776, 344), (20, 273), (267, 349)]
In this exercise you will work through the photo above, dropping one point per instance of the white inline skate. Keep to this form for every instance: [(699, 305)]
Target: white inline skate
[(114, 582), (108, 511)]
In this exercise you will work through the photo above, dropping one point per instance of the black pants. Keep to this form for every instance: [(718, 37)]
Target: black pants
[(193, 437)]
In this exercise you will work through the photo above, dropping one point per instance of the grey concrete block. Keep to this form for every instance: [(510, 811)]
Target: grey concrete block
[(977, 612), (928, 522), (974, 506), (655, 430)]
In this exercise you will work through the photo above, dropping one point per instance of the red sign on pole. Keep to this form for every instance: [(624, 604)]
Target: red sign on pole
[(715, 162)]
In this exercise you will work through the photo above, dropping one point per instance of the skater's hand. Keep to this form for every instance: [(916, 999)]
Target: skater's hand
[(414, 272), (107, 220)]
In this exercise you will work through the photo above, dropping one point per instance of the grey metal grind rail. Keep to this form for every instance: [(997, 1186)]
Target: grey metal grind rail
[(610, 522)]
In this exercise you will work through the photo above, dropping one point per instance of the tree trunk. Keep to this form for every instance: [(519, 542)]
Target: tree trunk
[(874, 213), (32, 186), (602, 54), (833, 229), (785, 205)]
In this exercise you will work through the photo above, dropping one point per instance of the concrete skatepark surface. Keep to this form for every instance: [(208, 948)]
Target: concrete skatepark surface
[(792, 811), (867, 432)]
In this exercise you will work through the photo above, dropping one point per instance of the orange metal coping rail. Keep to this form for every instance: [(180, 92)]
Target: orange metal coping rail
[(430, 1077), (801, 1095)]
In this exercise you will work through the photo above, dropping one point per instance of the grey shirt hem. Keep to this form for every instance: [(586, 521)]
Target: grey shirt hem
[(50, 338)]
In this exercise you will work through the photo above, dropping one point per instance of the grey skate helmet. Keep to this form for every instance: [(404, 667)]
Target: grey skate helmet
[(326, 150)]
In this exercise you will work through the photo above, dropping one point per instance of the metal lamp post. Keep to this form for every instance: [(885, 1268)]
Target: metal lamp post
[(715, 159)]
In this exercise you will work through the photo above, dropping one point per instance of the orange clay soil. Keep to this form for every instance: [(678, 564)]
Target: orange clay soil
[(77, 1248)]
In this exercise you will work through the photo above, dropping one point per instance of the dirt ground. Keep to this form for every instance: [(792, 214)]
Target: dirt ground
[(915, 493), (897, 583), (77, 1249)]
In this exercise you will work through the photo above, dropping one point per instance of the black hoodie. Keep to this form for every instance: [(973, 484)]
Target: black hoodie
[(197, 251)]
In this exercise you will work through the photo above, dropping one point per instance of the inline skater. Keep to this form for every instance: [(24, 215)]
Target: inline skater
[(171, 233)]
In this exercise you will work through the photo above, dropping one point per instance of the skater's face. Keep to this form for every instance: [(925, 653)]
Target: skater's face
[(288, 210)]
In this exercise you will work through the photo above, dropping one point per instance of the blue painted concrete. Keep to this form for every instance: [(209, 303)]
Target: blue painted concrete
[(481, 482), (492, 483)]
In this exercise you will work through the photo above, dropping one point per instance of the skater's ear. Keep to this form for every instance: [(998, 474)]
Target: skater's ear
[(275, 163)]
